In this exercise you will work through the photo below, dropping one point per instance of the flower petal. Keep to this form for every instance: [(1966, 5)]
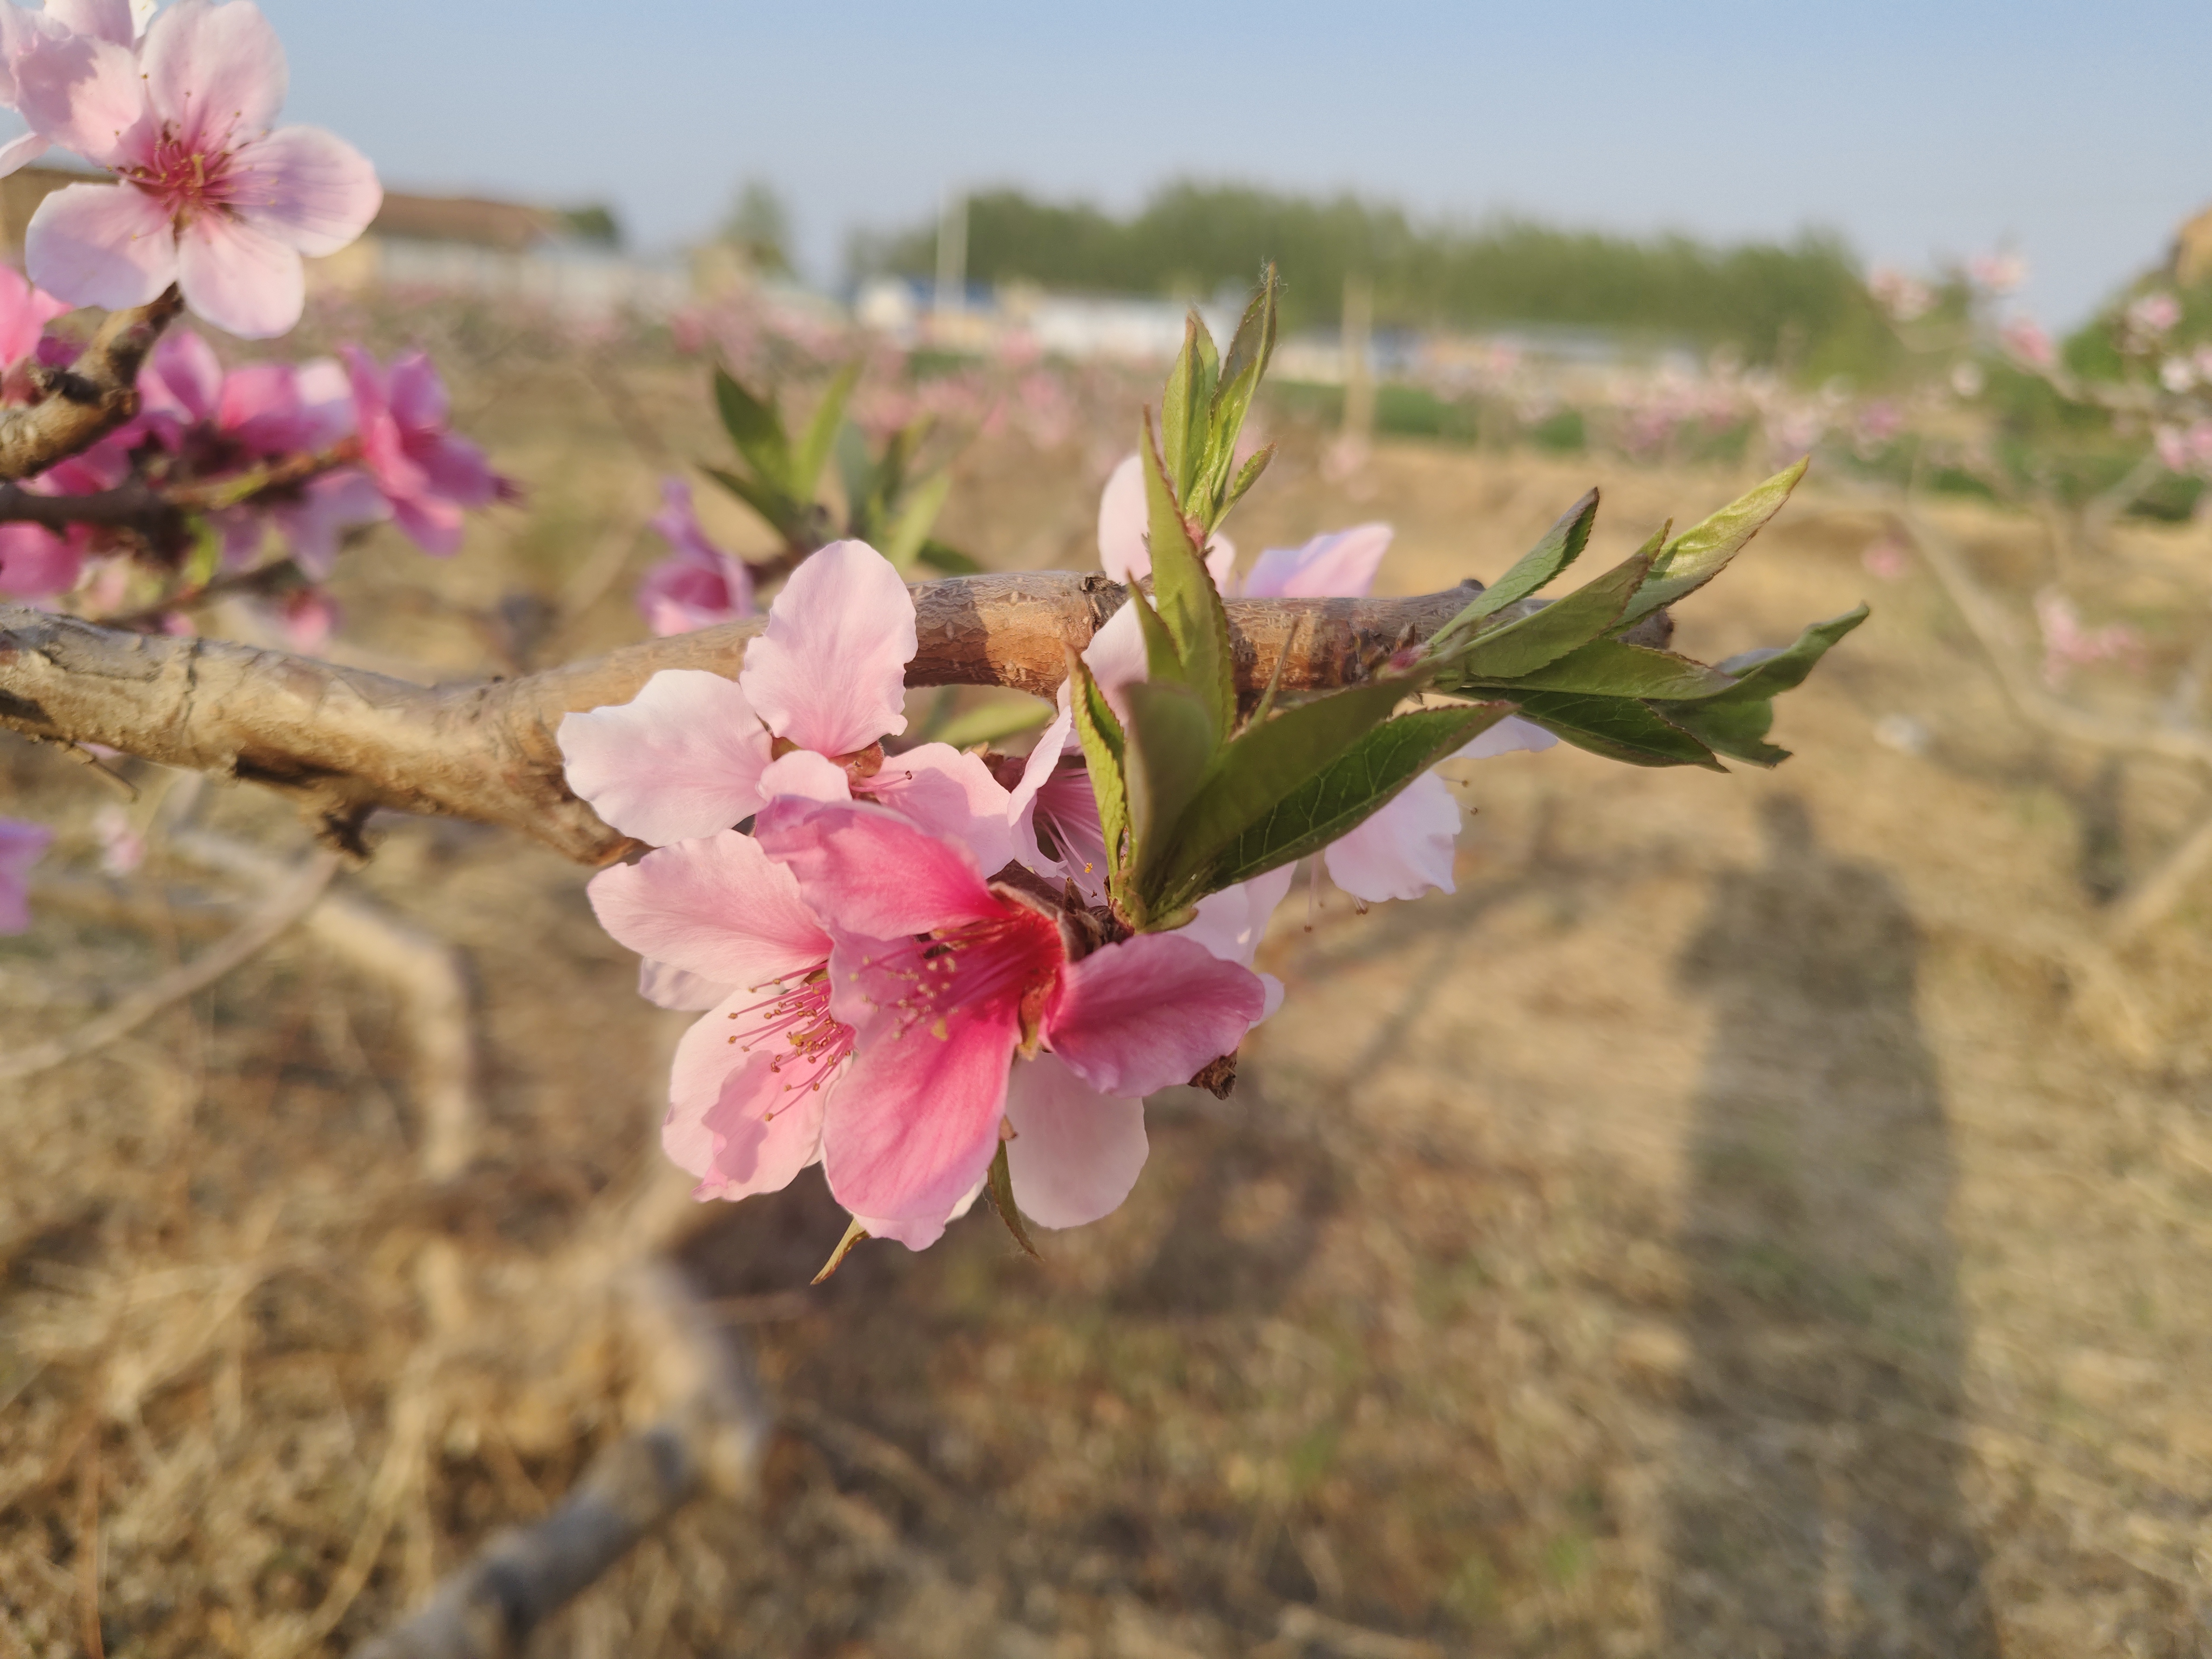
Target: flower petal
[(916, 1122), (949, 794), (920, 1235), (214, 72), (101, 245), (1510, 734), (20, 151), (733, 1119), (84, 93), (107, 19), (666, 987), (806, 776), (35, 563), (238, 277), (830, 674), (1123, 518), (866, 870), (1403, 850), (1232, 922), (1115, 656), (718, 906), (1149, 1011), (307, 188), (681, 759), (1338, 565), (1075, 1153)]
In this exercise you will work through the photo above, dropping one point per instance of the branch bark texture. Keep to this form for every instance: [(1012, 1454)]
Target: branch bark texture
[(344, 742), (85, 401)]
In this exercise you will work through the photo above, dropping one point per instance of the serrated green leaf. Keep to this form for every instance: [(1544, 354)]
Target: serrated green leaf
[(1169, 742), (1189, 603), (1619, 728), (911, 529), (992, 722), (1558, 547), (1246, 477), (1105, 744), (949, 560), (1184, 402), (1609, 668), (1162, 662), (1525, 645), (1001, 1186), (1736, 721), (1703, 552), (756, 427), (782, 514), (1342, 795), (814, 444), (1249, 351)]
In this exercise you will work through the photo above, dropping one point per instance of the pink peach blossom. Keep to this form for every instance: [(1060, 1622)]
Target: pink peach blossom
[(2026, 341), (207, 196), (699, 584), (945, 980), (821, 689), (427, 474), (22, 845)]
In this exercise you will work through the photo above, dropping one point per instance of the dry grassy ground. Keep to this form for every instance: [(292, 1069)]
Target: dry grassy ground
[(1753, 1216)]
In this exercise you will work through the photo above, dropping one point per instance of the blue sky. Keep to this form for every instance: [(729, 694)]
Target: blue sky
[(2080, 134)]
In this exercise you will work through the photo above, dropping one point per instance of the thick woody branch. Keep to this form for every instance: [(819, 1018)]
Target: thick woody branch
[(344, 742), (85, 401)]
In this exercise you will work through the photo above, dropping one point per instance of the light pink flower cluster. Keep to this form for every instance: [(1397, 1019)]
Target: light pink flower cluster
[(21, 845), (699, 583), (886, 990), (2067, 645), (1906, 299), (206, 194), (2027, 342), (1997, 273), (2187, 449)]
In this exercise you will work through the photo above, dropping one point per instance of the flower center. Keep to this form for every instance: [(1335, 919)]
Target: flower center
[(187, 180), (800, 1019), (1009, 960)]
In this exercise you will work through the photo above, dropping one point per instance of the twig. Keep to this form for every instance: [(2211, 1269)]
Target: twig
[(2156, 896), (88, 1549), (285, 905), (85, 401)]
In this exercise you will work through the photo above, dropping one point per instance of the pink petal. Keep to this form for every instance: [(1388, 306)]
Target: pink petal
[(866, 870), (1115, 655), (259, 406), (216, 73), (328, 505), (830, 674), (24, 314), (1076, 1153), (921, 1234), (419, 401), (1232, 922), (1123, 518), (1067, 807), (718, 906), (35, 563), (671, 987), (733, 1121), (22, 845), (915, 1120), (681, 759), (1338, 565), (306, 188), (84, 93), (458, 470), (20, 152), (1510, 734), (108, 19), (1403, 850), (101, 245), (186, 378), (325, 401), (950, 794), (1221, 563), (1149, 1011), (432, 523), (238, 277), (806, 776)]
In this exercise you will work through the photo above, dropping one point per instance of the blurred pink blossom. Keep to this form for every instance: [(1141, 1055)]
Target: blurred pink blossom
[(1997, 273), (427, 474), (699, 584), (1906, 299), (2177, 374), (2025, 341), (1886, 559), (206, 195), (2067, 645), (22, 845), (122, 848), (2154, 314)]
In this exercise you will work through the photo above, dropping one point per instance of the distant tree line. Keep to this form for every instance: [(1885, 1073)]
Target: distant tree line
[(1800, 304)]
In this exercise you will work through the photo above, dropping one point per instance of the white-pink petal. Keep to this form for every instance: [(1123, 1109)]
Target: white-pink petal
[(1232, 922), (682, 759), (807, 775), (1341, 565), (951, 793), (1149, 1011), (1401, 851), (307, 188), (19, 152), (829, 672), (101, 245), (668, 986), (85, 94), (718, 906), (1076, 1153), (217, 74), (733, 1120), (238, 277), (867, 871), (1510, 734), (108, 19), (1123, 518)]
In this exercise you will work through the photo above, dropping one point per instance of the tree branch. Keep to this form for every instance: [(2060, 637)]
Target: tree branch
[(343, 743), (85, 401)]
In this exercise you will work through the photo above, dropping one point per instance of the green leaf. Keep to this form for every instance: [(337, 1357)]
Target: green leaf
[(1525, 645), (903, 544), (1249, 349), (1342, 795), (1001, 1186), (813, 451), (991, 722), (1189, 603), (1611, 668), (756, 427), (1561, 545), (1736, 721), (1703, 552), (1183, 405), (950, 560), (1104, 745), (856, 473), (1619, 728), (1162, 662), (1169, 742), (783, 515), (1248, 475)]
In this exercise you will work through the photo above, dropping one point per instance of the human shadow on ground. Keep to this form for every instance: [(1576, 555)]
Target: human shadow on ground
[(1814, 1502)]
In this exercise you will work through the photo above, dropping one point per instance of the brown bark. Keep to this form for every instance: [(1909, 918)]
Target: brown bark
[(85, 401), (344, 742)]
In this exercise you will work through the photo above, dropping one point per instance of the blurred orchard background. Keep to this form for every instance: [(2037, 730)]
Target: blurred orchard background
[(1760, 1215)]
